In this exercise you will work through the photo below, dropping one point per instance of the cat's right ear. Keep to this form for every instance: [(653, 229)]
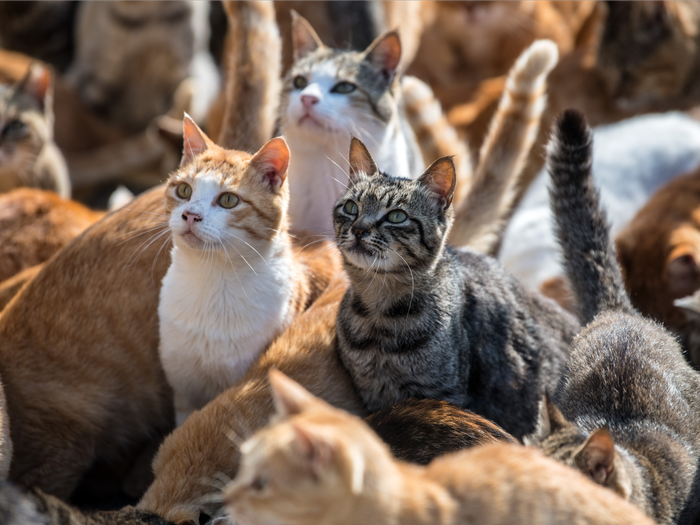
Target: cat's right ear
[(440, 178), (304, 39), (596, 457), (549, 420), (289, 396), (361, 161), (37, 83), (272, 160), (194, 140)]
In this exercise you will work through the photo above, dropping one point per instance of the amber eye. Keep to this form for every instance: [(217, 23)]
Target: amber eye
[(300, 82), (184, 191), (259, 483), (350, 208), (396, 216), (343, 88), (228, 200)]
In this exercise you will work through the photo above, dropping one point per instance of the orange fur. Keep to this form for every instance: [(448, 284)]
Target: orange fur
[(318, 464)]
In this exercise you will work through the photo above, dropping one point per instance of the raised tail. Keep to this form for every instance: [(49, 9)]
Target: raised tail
[(435, 135), (580, 222), (480, 218), (253, 69)]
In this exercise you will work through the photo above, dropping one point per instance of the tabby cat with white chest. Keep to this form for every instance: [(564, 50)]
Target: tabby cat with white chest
[(423, 320)]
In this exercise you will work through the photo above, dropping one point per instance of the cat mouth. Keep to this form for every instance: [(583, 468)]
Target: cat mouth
[(310, 121), (192, 238)]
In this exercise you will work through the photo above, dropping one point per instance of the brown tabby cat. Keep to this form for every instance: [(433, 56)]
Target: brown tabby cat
[(28, 155), (318, 464), (649, 53)]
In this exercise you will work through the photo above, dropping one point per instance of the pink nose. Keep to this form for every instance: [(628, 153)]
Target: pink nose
[(309, 100), (191, 218)]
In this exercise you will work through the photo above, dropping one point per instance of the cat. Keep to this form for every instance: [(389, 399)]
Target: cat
[(419, 430), (130, 57), (317, 464), (28, 155), (37, 508), (34, 225), (478, 338), (648, 54), (629, 394), (235, 281)]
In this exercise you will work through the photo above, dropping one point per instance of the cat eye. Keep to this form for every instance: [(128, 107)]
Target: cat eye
[(350, 208), (228, 200), (343, 88), (184, 190), (259, 483), (300, 82), (14, 129), (396, 216)]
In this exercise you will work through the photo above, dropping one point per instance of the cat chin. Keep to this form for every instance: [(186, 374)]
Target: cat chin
[(191, 240), (360, 256)]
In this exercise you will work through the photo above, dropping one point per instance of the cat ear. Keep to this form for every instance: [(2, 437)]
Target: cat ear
[(596, 457), (37, 83), (304, 39), (440, 178), (314, 446), (289, 396), (361, 160), (549, 421), (194, 140), (272, 161), (385, 54), (682, 273)]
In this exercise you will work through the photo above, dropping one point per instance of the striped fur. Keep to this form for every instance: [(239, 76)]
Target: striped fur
[(480, 217), (252, 93), (421, 320), (632, 401)]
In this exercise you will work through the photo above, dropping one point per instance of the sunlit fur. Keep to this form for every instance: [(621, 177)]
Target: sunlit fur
[(231, 286), (28, 154), (318, 464), (318, 138)]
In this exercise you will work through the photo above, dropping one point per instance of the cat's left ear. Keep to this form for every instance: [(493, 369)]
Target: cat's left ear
[(596, 457), (440, 178), (194, 139), (361, 161), (289, 396), (385, 54), (37, 83), (304, 39), (272, 160)]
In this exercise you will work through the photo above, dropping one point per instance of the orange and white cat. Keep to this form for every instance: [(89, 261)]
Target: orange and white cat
[(234, 283), (319, 464)]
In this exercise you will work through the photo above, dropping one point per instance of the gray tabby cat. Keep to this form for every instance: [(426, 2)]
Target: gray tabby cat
[(631, 400), (422, 320), (28, 154)]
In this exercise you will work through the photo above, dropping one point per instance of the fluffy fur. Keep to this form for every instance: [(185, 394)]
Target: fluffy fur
[(437, 323), (418, 430), (632, 398), (318, 464), (28, 154), (235, 281)]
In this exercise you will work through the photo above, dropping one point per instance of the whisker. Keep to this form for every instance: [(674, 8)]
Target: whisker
[(250, 246)]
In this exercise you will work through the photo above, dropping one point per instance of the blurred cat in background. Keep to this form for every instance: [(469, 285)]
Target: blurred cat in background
[(28, 154)]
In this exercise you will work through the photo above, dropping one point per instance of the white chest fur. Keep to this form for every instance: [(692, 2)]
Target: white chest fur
[(215, 321)]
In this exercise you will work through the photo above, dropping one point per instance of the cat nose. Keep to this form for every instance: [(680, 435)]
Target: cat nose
[(191, 218), (360, 231), (309, 100)]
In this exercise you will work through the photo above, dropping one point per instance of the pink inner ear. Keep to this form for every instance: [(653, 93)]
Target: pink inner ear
[(386, 54), (273, 160), (194, 140)]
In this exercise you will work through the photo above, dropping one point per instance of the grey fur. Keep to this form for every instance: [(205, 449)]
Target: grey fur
[(625, 373), (421, 320)]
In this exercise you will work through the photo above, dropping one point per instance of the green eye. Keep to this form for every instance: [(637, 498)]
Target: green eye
[(259, 483), (228, 200), (396, 216), (300, 82), (343, 88), (14, 130), (350, 208), (184, 191)]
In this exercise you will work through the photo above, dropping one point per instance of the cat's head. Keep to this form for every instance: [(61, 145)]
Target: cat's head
[(391, 222), (223, 199), (594, 455), (330, 94), (26, 121), (647, 50), (313, 459)]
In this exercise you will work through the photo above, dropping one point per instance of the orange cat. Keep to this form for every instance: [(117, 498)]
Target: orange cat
[(318, 464), (34, 225)]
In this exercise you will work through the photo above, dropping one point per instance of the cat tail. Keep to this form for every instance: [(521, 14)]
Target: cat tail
[(481, 218), (253, 83), (580, 223), (435, 135)]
